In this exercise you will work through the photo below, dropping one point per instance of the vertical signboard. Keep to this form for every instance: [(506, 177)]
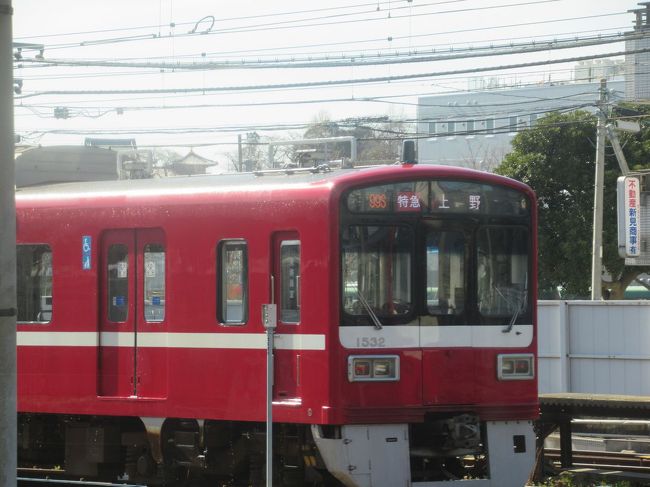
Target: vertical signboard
[(629, 216), (86, 252)]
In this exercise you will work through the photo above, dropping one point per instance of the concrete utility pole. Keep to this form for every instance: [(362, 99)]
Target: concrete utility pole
[(597, 242), (8, 450), (240, 158)]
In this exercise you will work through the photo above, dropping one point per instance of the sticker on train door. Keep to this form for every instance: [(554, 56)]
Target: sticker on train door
[(86, 248)]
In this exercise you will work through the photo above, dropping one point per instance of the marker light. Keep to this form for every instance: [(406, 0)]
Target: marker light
[(373, 368), (515, 367)]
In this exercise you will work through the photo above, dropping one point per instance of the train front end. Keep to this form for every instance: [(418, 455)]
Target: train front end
[(436, 375)]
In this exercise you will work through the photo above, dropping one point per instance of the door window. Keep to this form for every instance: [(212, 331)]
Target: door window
[(154, 282), (290, 281), (233, 285), (118, 283), (445, 251)]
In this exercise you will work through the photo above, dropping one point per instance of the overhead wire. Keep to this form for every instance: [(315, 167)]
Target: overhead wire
[(246, 17), (288, 24), (337, 82), (140, 72), (509, 128), (498, 50)]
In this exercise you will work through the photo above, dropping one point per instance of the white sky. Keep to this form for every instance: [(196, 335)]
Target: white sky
[(353, 27)]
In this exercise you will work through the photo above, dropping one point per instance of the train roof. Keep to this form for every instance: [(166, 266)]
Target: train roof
[(281, 179)]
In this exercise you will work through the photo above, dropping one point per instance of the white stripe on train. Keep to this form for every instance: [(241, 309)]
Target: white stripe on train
[(351, 337)]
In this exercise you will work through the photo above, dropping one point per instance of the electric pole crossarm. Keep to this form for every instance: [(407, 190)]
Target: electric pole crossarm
[(620, 157)]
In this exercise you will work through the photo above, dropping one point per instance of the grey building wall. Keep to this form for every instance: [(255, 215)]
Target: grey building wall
[(637, 66), (475, 129)]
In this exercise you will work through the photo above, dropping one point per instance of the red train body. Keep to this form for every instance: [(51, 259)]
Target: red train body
[(406, 326)]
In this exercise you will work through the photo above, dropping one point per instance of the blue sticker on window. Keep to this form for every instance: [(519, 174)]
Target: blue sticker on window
[(155, 300), (86, 252), (119, 301)]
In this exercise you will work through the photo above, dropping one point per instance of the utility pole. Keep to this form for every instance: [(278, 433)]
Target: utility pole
[(597, 242), (8, 448), (240, 158)]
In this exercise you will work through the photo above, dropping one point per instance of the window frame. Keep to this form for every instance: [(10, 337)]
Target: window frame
[(222, 294), (45, 248), (350, 319), (524, 315), (283, 279), (146, 249), (110, 285)]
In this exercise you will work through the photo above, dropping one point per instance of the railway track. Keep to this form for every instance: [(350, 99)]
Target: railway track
[(629, 466)]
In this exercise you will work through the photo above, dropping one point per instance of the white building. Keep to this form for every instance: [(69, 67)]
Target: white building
[(475, 128)]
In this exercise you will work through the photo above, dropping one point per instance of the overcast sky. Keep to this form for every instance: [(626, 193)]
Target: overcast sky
[(245, 32)]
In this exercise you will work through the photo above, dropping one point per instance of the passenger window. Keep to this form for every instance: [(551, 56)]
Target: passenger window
[(34, 283), (118, 283), (233, 282), (154, 283), (290, 281), (503, 271)]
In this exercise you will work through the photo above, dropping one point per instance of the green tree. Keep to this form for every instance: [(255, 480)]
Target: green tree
[(556, 158)]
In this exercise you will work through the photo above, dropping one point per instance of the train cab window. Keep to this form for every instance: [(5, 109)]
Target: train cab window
[(233, 282), (377, 272), (445, 257), (502, 271), (34, 283), (118, 283), (290, 281), (154, 283)]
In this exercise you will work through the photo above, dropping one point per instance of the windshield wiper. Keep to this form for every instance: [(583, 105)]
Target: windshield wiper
[(371, 313), (520, 306), (513, 319)]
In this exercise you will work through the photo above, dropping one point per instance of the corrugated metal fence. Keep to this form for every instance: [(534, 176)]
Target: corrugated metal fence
[(598, 347)]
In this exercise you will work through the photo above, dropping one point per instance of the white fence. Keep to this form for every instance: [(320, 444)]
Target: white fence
[(599, 347)]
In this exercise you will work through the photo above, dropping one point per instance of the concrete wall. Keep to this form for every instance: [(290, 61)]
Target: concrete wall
[(600, 347)]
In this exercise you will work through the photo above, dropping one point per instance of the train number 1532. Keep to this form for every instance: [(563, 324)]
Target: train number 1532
[(371, 342)]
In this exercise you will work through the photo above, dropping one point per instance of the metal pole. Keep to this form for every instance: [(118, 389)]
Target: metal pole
[(239, 154), (269, 407), (269, 320), (8, 448), (597, 242)]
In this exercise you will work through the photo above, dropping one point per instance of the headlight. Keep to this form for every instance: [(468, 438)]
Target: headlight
[(516, 366), (373, 368)]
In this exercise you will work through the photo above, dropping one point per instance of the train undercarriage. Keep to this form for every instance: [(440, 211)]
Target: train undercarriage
[(152, 451)]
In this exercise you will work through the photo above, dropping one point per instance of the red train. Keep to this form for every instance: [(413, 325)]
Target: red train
[(405, 346)]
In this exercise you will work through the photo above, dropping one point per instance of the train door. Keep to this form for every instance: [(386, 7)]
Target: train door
[(132, 351), (444, 336), (286, 294)]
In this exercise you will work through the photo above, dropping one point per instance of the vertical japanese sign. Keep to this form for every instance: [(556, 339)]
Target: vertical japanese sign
[(86, 252), (632, 196)]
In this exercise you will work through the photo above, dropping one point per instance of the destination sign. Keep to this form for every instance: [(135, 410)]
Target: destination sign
[(439, 197)]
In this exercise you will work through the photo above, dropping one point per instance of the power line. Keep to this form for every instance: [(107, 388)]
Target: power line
[(288, 24), (256, 52), (302, 125), (451, 47), (104, 109), (498, 50), (247, 17), (332, 82)]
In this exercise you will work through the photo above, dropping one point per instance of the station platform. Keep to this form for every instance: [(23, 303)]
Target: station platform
[(558, 410)]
